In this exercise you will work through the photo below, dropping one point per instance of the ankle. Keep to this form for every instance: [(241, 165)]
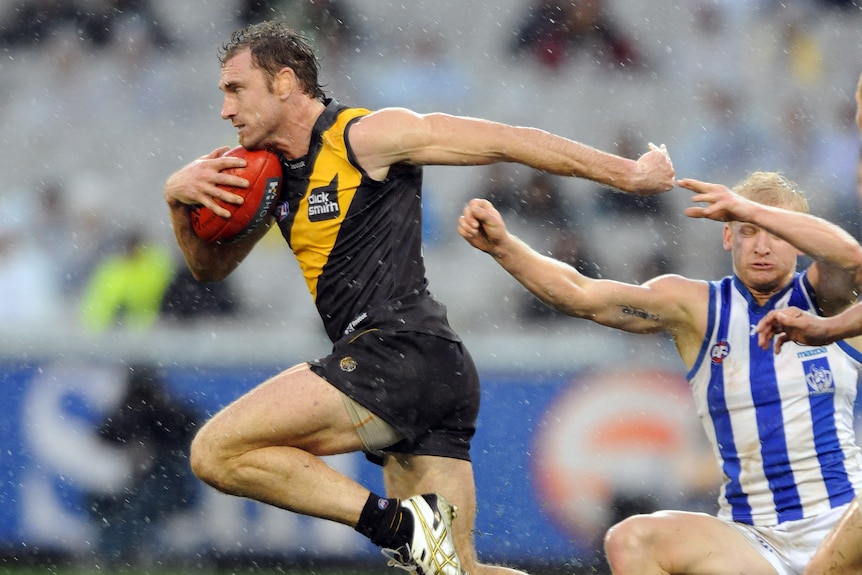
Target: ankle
[(384, 522)]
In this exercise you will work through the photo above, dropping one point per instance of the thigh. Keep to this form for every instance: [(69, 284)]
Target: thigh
[(683, 542), (841, 551), (295, 408)]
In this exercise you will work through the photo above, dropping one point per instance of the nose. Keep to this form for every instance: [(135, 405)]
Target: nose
[(228, 110), (763, 245)]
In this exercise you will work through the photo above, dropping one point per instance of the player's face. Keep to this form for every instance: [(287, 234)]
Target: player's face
[(249, 103), (763, 262)]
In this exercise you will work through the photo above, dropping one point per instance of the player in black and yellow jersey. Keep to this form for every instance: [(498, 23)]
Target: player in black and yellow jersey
[(399, 384)]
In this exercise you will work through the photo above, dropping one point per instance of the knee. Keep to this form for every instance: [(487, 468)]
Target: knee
[(628, 542)]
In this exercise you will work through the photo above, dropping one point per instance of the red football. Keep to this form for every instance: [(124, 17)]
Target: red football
[(263, 172)]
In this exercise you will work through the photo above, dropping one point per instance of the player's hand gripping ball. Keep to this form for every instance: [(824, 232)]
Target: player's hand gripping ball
[(263, 172)]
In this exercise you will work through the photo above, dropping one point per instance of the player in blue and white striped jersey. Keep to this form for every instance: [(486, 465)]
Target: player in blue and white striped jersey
[(781, 425), (841, 551)]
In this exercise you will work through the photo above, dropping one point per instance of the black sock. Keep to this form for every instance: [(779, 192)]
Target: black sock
[(385, 522)]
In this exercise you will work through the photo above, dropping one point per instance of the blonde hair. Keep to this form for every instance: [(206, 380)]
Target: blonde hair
[(772, 189)]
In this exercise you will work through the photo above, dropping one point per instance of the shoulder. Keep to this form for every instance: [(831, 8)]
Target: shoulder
[(382, 138), (386, 119), (686, 301), (675, 284)]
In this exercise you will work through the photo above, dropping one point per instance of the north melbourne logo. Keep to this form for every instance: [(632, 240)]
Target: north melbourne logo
[(818, 376)]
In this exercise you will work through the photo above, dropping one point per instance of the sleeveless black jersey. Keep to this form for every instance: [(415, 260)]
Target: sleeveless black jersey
[(358, 241)]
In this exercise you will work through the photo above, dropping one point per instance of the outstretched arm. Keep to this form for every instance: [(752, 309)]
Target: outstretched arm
[(658, 305), (394, 135), (792, 324), (836, 273)]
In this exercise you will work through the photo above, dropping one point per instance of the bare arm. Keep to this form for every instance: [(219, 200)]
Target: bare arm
[(793, 324), (836, 273), (394, 135), (197, 184), (670, 304)]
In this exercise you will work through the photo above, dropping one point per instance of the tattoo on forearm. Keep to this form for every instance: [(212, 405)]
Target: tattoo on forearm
[(638, 312)]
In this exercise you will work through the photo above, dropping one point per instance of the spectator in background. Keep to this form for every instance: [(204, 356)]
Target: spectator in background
[(143, 283), (98, 23), (73, 236), (33, 22), (567, 245), (29, 287), (556, 32), (835, 159), (801, 50), (539, 202), (154, 430), (423, 77), (102, 22), (728, 141), (328, 24), (127, 288), (538, 208), (186, 299), (626, 205), (713, 51)]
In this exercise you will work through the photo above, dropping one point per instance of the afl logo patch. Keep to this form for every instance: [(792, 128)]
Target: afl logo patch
[(347, 364), (281, 211), (719, 351)]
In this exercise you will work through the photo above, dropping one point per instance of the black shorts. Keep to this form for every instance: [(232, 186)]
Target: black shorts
[(426, 387)]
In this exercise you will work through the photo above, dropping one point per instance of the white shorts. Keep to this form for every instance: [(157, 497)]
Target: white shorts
[(789, 547)]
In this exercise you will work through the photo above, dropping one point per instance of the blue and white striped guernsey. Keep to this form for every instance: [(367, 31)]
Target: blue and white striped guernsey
[(781, 425)]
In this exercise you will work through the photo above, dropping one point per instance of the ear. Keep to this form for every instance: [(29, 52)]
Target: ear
[(727, 237), (285, 83)]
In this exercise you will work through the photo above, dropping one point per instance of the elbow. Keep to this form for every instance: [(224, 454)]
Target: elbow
[(208, 275), (210, 267)]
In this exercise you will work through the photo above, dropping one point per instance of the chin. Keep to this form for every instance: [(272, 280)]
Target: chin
[(248, 143)]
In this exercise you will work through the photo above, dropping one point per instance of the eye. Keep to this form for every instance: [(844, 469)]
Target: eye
[(747, 231)]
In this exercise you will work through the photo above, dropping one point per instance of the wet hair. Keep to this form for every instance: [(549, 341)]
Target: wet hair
[(275, 45), (772, 189)]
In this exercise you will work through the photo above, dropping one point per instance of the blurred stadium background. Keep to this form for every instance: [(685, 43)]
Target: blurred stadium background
[(579, 426)]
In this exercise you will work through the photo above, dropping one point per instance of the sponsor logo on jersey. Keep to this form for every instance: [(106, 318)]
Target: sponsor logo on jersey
[(810, 352), (323, 202), (354, 322)]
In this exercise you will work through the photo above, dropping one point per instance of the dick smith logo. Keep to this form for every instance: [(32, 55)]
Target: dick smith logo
[(323, 202)]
